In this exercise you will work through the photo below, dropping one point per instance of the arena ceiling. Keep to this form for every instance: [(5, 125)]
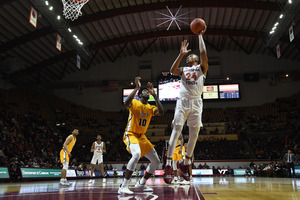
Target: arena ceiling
[(113, 29)]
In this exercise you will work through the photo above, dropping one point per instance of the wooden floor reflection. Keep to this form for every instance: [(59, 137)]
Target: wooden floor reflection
[(204, 188)]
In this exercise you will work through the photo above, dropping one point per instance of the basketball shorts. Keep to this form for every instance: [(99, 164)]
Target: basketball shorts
[(97, 158), (64, 156), (190, 110), (177, 155), (141, 139)]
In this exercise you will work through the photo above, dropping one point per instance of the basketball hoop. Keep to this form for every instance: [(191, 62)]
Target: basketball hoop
[(72, 8)]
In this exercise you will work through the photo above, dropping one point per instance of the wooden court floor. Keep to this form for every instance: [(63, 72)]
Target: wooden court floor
[(204, 188)]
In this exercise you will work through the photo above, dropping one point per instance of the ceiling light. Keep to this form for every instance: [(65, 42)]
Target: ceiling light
[(227, 78), (75, 36), (69, 30), (58, 17), (287, 75), (290, 1), (47, 3), (276, 24), (281, 16), (51, 8)]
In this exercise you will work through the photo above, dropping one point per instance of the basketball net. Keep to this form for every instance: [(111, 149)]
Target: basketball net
[(72, 8)]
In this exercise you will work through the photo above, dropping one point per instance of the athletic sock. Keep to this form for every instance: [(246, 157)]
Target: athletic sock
[(125, 182), (169, 162), (186, 161), (143, 181)]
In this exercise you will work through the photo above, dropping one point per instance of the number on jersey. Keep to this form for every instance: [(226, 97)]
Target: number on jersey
[(188, 76), (142, 122)]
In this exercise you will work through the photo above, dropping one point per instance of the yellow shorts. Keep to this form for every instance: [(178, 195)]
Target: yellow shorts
[(64, 156), (145, 145), (176, 155)]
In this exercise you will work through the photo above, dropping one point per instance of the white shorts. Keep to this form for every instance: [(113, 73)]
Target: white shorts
[(97, 158), (190, 110)]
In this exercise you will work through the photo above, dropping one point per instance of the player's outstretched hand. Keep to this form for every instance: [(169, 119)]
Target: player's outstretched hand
[(184, 46), (138, 82), (151, 89), (202, 32)]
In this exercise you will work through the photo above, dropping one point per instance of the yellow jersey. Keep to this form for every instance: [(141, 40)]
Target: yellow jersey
[(71, 144), (139, 117)]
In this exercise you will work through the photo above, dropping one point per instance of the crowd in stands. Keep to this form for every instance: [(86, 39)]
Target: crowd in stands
[(28, 141)]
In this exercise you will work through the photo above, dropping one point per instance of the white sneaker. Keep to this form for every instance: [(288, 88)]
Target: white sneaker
[(143, 187), (91, 181), (104, 180), (64, 183), (184, 182), (124, 190)]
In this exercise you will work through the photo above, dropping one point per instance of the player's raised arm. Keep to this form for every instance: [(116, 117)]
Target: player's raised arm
[(128, 100), (159, 110), (203, 54), (183, 51)]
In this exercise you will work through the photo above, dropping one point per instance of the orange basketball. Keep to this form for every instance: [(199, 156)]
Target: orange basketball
[(197, 25)]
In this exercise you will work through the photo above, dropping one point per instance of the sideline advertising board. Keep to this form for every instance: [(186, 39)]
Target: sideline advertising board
[(4, 174)]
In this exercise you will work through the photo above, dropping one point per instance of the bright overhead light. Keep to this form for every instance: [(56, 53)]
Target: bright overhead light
[(75, 36), (287, 75), (276, 24), (227, 78), (47, 3), (69, 30), (51, 8), (58, 17), (271, 32), (290, 1), (281, 16)]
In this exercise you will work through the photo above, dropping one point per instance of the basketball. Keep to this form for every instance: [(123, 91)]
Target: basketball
[(197, 25)]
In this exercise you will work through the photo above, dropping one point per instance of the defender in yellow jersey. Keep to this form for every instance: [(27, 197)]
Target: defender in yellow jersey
[(178, 155), (65, 155), (140, 114)]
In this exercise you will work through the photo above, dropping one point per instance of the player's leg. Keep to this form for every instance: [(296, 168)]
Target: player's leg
[(64, 158), (175, 170), (92, 170), (178, 122), (194, 122), (101, 168), (135, 151), (93, 163), (154, 162), (191, 172)]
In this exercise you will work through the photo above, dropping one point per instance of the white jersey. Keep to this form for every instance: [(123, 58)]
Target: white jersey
[(192, 81), (99, 148)]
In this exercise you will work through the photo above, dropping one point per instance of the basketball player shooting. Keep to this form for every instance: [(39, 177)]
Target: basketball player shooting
[(98, 148), (189, 105), (137, 144)]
